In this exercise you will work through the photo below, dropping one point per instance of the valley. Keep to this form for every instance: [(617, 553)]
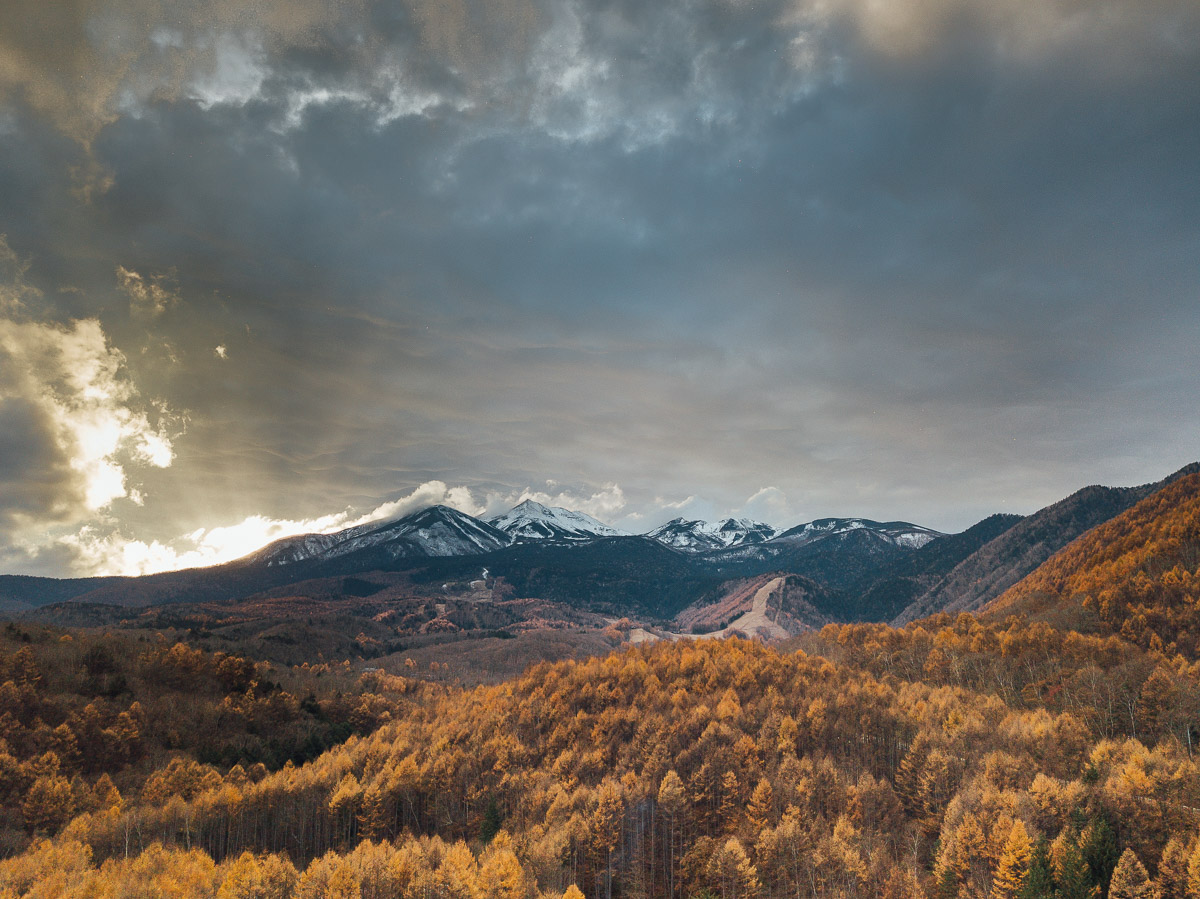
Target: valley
[(439, 581), (599, 449), (423, 708)]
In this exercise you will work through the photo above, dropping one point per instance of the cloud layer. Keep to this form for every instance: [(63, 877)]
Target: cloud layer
[(71, 425), (925, 259)]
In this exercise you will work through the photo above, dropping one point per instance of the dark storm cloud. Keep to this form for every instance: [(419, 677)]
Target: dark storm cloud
[(923, 259), (32, 471)]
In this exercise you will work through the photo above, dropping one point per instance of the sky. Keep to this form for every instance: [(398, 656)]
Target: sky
[(288, 266)]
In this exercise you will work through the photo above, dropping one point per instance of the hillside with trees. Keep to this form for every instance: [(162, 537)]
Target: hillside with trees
[(1018, 551), (1137, 576), (86, 719), (883, 595), (1043, 749), (718, 768)]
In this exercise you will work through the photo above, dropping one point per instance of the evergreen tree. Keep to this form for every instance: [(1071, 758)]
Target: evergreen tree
[(1099, 846), (492, 821), (1039, 881), (946, 885), (1074, 875)]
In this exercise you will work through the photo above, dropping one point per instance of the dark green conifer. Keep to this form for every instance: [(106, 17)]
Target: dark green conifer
[(1074, 876), (1039, 882), (1099, 847), (491, 823)]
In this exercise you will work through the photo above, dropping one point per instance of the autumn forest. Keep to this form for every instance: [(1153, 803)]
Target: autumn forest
[(1043, 746)]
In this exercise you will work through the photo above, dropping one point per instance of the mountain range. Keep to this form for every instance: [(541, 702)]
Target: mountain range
[(1137, 575), (547, 552), (436, 531), (838, 569)]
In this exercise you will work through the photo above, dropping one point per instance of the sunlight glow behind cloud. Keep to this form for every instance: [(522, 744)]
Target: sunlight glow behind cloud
[(104, 551), (923, 259), (72, 382), (109, 553)]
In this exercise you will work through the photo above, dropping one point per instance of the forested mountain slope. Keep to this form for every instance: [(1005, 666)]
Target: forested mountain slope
[(87, 718), (881, 595), (1139, 574), (723, 766), (1045, 750), (1003, 561)]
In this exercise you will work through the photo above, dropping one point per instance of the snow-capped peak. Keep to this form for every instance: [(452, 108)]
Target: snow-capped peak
[(530, 520), (698, 536), (435, 531), (900, 533)]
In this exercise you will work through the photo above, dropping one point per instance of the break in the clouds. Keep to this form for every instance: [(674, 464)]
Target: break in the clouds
[(283, 265), (71, 426)]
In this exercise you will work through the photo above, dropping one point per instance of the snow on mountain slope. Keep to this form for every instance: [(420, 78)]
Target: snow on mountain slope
[(532, 521), (701, 536), (683, 534), (443, 531), (900, 533), (436, 531), (740, 531)]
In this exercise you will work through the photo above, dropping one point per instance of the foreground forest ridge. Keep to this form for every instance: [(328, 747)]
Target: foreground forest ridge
[(1043, 746)]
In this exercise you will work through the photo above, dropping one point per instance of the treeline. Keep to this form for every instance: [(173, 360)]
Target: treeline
[(408, 870), (87, 719), (719, 768)]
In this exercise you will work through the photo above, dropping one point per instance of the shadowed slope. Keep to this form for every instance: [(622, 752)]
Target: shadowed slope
[(1017, 552), (1139, 574)]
